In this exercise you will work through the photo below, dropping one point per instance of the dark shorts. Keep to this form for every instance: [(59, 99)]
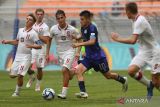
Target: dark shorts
[(98, 65)]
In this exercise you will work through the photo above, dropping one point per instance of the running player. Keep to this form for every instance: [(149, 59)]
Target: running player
[(39, 56), (95, 57), (65, 35), (27, 39), (148, 52)]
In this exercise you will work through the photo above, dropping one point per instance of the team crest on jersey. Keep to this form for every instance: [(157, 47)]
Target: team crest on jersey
[(22, 39), (85, 31)]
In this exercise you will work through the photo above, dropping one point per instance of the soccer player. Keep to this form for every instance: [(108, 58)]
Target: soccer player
[(27, 39), (95, 57), (148, 52), (39, 56), (65, 35)]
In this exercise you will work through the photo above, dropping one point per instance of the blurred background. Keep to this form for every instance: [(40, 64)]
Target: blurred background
[(109, 16)]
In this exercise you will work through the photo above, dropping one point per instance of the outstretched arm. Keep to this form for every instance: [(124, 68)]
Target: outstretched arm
[(90, 42), (11, 42), (131, 40)]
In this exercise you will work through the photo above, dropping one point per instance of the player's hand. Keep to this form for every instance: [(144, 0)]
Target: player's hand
[(77, 55), (114, 36), (28, 46), (75, 45), (4, 42)]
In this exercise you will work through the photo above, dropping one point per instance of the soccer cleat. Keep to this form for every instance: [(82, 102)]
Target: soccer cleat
[(15, 94), (37, 88), (29, 83), (125, 85), (81, 95), (150, 91), (61, 96)]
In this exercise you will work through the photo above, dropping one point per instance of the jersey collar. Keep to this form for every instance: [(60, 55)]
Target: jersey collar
[(136, 17), (38, 24), (65, 28), (27, 30)]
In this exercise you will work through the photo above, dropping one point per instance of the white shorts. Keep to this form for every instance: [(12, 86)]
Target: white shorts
[(39, 60), (20, 67), (147, 58), (66, 59)]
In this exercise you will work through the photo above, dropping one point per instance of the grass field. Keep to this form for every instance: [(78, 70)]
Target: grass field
[(102, 92)]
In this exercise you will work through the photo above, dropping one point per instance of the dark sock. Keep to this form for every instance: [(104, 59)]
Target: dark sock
[(82, 86), (120, 79)]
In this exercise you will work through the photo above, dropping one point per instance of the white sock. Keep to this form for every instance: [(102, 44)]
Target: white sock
[(142, 79), (38, 82), (18, 88), (64, 91)]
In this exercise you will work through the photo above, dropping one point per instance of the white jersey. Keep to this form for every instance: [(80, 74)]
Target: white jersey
[(25, 37), (142, 28), (43, 30), (64, 37)]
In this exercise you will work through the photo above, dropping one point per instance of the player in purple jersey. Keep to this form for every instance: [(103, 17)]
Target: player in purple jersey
[(95, 57)]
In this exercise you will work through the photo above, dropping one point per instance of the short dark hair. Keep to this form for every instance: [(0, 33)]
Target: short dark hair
[(39, 10), (60, 12), (32, 15), (86, 14), (132, 7)]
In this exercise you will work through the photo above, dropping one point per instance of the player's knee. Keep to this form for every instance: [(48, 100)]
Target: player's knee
[(131, 72), (156, 84)]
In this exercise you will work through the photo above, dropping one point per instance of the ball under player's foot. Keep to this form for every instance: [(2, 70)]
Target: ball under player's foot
[(125, 85), (30, 81), (150, 91), (15, 94), (61, 96), (81, 95)]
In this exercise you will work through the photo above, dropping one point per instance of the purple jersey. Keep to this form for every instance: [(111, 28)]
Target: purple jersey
[(92, 51)]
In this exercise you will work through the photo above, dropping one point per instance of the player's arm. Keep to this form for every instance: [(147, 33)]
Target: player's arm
[(92, 41), (37, 45), (12, 42), (130, 40), (48, 48)]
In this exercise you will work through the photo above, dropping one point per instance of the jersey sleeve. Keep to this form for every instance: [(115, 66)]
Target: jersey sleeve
[(139, 28), (52, 32), (76, 33), (93, 31), (46, 31)]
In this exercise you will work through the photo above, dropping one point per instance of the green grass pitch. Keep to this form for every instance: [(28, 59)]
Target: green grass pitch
[(102, 92)]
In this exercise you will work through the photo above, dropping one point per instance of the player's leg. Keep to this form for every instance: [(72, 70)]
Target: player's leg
[(66, 78), (102, 66), (135, 71), (40, 65), (156, 80), (22, 70), (31, 74), (66, 62), (80, 70), (18, 86)]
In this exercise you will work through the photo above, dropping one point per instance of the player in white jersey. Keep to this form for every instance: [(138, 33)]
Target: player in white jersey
[(27, 39), (65, 35), (39, 56), (148, 52)]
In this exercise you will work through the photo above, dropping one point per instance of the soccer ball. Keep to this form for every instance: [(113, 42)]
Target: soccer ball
[(48, 94)]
